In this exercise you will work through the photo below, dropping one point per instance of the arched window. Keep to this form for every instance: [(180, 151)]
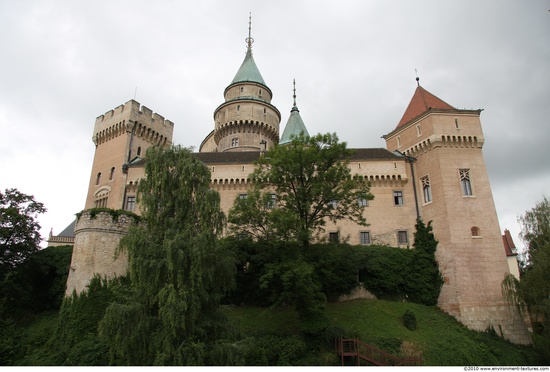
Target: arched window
[(112, 175), (98, 179), (475, 231)]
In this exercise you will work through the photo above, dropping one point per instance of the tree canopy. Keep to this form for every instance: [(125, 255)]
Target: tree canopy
[(300, 186), (177, 270), (534, 286), (19, 229)]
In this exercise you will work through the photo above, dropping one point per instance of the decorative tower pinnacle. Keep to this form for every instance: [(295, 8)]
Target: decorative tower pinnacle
[(249, 40)]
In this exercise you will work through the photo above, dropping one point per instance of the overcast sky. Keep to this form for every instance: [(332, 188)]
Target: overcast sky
[(63, 63)]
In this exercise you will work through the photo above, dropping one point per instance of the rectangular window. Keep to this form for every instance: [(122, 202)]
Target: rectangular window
[(272, 201), (243, 196), (402, 237), (398, 197), (234, 142), (364, 237), (130, 203), (465, 182), (333, 237), (363, 202), (333, 204), (426, 189)]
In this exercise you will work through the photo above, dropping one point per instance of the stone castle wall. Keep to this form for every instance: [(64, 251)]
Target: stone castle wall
[(96, 239)]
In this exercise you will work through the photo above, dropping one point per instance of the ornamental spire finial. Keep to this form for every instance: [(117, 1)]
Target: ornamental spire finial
[(249, 40), (294, 90), (417, 78)]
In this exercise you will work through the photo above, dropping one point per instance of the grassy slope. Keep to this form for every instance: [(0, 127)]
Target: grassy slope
[(439, 338)]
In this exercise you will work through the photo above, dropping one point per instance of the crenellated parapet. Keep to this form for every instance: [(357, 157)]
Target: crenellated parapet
[(132, 117), (450, 141)]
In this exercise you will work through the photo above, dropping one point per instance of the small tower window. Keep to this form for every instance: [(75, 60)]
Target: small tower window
[(234, 142), (426, 189), (398, 141), (418, 131), (465, 182), (456, 123), (112, 175), (131, 203), (238, 107), (139, 151), (242, 89), (98, 179), (475, 231)]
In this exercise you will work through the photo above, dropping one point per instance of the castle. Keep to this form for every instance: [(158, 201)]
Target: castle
[(432, 167)]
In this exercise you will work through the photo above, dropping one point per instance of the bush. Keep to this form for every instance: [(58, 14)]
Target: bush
[(409, 320)]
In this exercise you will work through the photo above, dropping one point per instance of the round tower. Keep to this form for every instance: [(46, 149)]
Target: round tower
[(246, 121)]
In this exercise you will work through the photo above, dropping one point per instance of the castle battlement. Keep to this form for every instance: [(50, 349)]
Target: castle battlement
[(132, 116)]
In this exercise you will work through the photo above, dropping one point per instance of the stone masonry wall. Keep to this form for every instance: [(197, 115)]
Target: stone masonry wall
[(96, 240)]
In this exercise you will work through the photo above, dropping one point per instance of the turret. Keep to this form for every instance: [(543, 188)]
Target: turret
[(295, 125), (246, 121)]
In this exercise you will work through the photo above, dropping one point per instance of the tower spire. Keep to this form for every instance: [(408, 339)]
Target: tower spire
[(294, 90), (249, 40)]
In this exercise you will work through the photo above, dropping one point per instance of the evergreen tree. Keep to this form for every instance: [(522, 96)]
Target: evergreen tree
[(425, 278), (177, 270)]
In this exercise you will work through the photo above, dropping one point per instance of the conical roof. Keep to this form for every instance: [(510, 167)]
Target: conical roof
[(421, 102), (294, 126), (248, 72)]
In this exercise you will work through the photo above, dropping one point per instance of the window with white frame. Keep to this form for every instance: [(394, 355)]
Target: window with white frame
[(243, 196), (465, 182), (426, 189), (398, 197), (363, 202), (364, 237), (130, 203)]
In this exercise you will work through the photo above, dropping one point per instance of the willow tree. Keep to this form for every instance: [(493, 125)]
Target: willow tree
[(177, 271)]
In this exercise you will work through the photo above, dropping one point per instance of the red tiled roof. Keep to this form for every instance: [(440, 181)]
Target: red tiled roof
[(509, 246), (421, 102)]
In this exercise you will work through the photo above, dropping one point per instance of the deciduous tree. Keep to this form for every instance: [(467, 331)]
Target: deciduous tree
[(19, 229), (312, 184)]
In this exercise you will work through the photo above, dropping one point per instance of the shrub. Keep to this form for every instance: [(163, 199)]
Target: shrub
[(409, 320)]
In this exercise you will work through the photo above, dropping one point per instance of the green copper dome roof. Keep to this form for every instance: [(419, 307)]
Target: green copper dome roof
[(294, 126), (248, 71)]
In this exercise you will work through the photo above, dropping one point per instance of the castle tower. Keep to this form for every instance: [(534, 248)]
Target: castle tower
[(246, 121), (295, 125), (122, 136), (444, 145)]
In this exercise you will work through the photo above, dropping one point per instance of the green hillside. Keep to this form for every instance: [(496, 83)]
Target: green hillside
[(439, 339)]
